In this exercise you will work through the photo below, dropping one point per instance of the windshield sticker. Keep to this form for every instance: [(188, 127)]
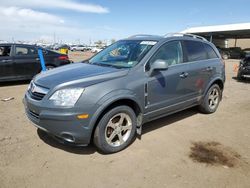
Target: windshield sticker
[(151, 43), (130, 63)]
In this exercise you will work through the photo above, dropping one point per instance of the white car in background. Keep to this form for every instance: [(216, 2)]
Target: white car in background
[(78, 48), (96, 50)]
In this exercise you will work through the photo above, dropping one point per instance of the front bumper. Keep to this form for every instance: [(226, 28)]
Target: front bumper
[(61, 123)]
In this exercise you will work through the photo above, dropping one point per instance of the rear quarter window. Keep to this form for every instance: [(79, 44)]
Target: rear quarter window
[(211, 54)]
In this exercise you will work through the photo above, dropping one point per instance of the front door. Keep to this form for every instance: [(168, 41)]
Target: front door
[(6, 63), (168, 90)]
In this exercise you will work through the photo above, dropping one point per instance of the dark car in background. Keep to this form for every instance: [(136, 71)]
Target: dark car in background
[(225, 54), (247, 51), (21, 61), (236, 53), (244, 68)]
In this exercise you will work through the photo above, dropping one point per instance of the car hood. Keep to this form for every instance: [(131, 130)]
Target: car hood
[(78, 73)]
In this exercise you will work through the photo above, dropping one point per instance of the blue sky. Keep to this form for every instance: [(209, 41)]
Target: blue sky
[(75, 20)]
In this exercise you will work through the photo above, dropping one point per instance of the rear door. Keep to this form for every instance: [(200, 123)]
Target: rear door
[(6, 62), (27, 63), (202, 60)]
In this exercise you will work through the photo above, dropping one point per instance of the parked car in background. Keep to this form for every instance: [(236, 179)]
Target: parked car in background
[(244, 68), (225, 54), (247, 51), (236, 53), (78, 48), (21, 61), (96, 50), (131, 82), (65, 46)]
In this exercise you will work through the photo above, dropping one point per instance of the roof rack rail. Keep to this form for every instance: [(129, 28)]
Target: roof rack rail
[(184, 35), (141, 35)]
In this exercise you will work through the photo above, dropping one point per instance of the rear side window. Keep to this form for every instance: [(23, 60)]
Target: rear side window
[(210, 51), (25, 50), (195, 51)]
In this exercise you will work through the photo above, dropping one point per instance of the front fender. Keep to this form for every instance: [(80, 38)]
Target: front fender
[(111, 98)]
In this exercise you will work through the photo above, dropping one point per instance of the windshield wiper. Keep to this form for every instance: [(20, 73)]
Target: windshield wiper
[(85, 61), (106, 65)]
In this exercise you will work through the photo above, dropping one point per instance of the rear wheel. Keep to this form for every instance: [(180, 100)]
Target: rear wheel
[(116, 130), (211, 100)]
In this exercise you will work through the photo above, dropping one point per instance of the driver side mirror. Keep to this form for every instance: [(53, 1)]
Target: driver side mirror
[(159, 64)]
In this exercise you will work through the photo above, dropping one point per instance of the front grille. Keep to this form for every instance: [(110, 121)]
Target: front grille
[(33, 114), (36, 96), (37, 92)]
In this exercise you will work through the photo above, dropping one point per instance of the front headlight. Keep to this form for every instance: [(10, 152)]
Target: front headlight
[(66, 97), (29, 86)]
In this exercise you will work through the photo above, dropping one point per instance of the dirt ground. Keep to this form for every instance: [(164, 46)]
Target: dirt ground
[(29, 158)]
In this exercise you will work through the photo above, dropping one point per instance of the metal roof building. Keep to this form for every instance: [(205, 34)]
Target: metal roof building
[(222, 32), (231, 31)]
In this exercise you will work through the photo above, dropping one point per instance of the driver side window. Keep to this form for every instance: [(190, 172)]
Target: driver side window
[(171, 52)]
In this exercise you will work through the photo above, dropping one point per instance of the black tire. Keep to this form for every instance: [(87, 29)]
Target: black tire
[(206, 105), (101, 131)]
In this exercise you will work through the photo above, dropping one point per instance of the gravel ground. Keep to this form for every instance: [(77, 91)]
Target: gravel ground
[(29, 158)]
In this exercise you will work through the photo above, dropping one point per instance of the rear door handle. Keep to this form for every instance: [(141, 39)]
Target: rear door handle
[(209, 69), (184, 75)]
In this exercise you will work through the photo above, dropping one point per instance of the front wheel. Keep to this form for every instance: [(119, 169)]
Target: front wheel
[(211, 100), (116, 130)]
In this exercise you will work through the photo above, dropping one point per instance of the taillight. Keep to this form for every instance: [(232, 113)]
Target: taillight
[(63, 57)]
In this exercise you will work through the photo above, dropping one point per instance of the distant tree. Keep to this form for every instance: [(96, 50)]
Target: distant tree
[(99, 43), (113, 41)]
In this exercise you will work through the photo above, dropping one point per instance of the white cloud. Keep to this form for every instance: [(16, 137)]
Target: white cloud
[(32, 19), (61, 4), (27, 24), (27, 16)]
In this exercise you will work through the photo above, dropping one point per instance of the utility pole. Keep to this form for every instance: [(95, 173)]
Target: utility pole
[(54, 37)]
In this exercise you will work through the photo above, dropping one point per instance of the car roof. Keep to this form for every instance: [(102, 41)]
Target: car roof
[(167, 37)]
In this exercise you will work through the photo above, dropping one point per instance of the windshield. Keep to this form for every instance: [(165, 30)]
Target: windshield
[(123, 54)]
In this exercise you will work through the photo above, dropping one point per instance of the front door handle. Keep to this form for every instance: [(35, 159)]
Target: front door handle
[(184, 75)]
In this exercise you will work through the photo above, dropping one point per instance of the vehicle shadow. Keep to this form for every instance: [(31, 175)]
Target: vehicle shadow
[(242, 80), (90, 149), (168, 120), (13, 83), (81, 150)]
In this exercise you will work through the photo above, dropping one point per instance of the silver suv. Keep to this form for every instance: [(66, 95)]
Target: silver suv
[(109, 97)]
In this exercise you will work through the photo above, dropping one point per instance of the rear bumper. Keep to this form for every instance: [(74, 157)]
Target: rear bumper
[(62, 124)]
